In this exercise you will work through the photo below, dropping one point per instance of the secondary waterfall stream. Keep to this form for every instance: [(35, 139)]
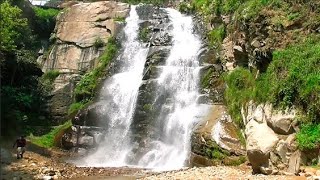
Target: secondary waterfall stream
[(165, 143)]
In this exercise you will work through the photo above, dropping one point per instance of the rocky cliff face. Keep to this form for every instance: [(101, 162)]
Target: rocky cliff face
[(80, 33)]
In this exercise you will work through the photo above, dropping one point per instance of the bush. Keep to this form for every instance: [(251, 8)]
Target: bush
[(85, 89), (98, 43), (51, 75), (308, 137), (216, 36), (292, 79), (240, 90), (45, 21)]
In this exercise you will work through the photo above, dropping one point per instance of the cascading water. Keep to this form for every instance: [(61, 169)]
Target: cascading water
[(166, 142), (118, 98), (178, 83)]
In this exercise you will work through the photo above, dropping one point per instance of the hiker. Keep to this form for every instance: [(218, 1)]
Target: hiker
[(21, 146)]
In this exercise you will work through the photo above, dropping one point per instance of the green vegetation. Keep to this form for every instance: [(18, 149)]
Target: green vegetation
[(241, 84), (292, 79), (98, 43), (147, 107), (205, 80), (213, 151), (45, 21), (51, 75), (75, 107), (23, 92), (120, 19), (85, 89), (13, 27), (216, 36), (309, 136), (144, 34), (49, 140), (154, 2)]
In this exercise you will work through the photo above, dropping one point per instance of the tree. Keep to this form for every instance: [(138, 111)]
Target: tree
[(12, 26)]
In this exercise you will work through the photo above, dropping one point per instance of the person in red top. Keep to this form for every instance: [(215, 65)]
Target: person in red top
[(21, 146)]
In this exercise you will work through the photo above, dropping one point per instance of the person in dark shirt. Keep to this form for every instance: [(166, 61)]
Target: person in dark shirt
[(21, 146)]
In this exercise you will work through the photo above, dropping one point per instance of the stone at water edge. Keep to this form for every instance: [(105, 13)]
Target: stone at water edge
[(294, 162)]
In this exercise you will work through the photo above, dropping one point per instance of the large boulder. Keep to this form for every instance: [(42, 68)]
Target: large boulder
[(270, 137), (216, 140), (260, 142), (283, 122)]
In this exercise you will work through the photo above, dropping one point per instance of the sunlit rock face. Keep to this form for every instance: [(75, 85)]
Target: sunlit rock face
[(74, 51)]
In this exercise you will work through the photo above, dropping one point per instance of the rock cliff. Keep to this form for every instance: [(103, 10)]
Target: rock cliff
[(80, 34)]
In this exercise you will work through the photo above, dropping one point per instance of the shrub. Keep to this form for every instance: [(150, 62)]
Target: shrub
[(86, 87), (216, 36), (185, 7), (292, 78), (98, 43), (308, 137), (240, 90), (45, 20), (51, 75)]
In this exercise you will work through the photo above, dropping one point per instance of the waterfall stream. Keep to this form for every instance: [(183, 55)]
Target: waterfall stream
[(177, 90)]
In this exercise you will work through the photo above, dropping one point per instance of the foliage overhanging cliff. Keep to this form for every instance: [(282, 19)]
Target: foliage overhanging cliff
[(278, 58)]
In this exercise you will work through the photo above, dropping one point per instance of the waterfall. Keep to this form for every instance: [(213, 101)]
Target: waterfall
[(165, 143), (178, 82), (118, 98)]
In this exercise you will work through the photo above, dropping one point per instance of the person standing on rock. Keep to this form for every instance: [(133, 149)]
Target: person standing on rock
[(21, 146)]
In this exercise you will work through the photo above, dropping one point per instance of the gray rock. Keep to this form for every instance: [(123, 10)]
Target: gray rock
[(255, 43), (294, 162), (5, 155)]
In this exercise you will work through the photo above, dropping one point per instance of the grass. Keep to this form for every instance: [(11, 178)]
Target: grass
[(216, 36), (292, 79), (86, 87), (119, 19), (49, 140)]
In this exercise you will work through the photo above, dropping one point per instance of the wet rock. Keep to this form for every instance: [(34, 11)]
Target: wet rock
[(86, 140)]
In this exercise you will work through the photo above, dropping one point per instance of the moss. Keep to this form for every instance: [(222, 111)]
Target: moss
[(147, 107), (48, 140), (85, 89), (119, 19), (213, 151), (205, 80)]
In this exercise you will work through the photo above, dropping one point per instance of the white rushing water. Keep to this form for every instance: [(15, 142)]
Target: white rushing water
[(179, 80), (118, 98), (178, 83)]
